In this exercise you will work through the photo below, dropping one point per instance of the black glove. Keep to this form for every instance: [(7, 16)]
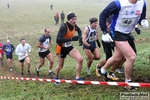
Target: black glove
[(131, 37), (91, 48), (112, 44), (138, 31), (80, 41), (75, 38), (98, 43)]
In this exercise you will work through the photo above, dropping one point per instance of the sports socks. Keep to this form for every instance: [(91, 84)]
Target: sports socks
[(103, 71)]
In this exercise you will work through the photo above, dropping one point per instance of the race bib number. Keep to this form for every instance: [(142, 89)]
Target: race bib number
[(91, 39), (8, 50), (67, 44), (127, 21)]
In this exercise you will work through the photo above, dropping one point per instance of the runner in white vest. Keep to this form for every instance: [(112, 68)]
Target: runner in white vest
[(126, 14)]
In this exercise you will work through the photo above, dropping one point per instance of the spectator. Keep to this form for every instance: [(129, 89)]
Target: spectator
[(57, 18), (62, 15), (51, 7), (8, 5)]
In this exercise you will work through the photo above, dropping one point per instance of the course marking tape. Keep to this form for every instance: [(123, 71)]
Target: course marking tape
[(79, 82), (142, 39)]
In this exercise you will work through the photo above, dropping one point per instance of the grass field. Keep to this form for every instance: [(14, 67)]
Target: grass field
[(28, 19)]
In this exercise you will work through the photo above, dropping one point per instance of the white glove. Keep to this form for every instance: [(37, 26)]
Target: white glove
[(144, 23), (107, 38)]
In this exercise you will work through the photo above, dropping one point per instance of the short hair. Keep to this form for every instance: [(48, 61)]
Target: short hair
[(8, 41), (22, 39), (93, 19), (46, 29)]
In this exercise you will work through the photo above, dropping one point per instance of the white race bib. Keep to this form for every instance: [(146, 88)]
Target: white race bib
[(127, 21), (92, 38), (67, 44)]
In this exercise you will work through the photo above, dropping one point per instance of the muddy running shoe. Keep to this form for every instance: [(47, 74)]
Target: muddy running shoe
[(112, 76), (79, 79), (51, 73), (2, 63), (88, 71), (37, 72), (103, 76), (29, 73), (119, 70), (10, 69), (56, 78), (22, 74), (97, 70), (130, 88)]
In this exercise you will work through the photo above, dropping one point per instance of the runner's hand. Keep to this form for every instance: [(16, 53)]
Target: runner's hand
[(144, 23), (75, 38), (107, 38), (98, 43), (80, 41), (138, 31)]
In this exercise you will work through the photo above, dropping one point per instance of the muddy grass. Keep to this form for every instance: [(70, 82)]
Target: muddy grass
[(136, 76)]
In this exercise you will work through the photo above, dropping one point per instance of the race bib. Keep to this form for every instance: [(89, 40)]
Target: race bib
[(91, 39), (127, 21), (8, 50), (67, 44)]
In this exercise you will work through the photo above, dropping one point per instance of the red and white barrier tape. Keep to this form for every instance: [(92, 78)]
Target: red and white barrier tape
[(78, 82), (142, 39)]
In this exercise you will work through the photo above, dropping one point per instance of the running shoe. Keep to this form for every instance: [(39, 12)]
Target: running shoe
[(119, 70), (112, 76), (130, 88), (88, 71), (52, 73), (79, 79), (2, 63), (103, 76), (56, 78), (29, 73), (37, 72), (97, 70), (10, 69), (22, 74)]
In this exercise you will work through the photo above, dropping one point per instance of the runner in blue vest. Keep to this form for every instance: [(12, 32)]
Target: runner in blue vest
[(90, 38), (9, 49)]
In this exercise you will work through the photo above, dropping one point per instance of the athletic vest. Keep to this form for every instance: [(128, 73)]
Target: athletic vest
[(44, 42), (128, 16), (91, 36), (69, 34)]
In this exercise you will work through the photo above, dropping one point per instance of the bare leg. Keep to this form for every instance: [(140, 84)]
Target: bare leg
[(51, 61), (77, 56)]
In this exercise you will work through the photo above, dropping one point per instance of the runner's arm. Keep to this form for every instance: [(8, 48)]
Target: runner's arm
[(143, 15), (60, 36), (84, 35), (79, 31), (111, 9)]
